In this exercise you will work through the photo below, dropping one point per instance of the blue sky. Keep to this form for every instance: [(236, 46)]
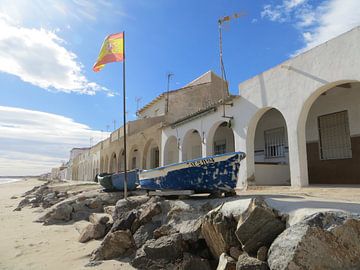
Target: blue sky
[(51, 101)]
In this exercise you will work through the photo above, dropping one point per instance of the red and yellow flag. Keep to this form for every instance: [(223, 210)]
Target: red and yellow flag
[(112, 50)]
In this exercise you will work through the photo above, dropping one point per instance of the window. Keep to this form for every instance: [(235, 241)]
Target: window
[(274, 142), (220, 147), (334, 134)]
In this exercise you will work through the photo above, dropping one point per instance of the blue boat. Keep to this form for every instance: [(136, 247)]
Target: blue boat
[(203, 175), (115, 181)]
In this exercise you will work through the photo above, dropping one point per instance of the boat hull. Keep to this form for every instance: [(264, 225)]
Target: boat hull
[(115, 182), (210, 174)]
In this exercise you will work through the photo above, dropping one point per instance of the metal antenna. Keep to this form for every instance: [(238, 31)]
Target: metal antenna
[(225, 91), (137, 100), (169, 75)]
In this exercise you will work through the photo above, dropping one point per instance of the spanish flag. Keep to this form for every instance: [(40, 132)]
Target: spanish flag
[(112, 50)]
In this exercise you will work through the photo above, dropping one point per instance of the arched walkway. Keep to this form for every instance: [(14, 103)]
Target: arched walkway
[(151, 155), (332, 133), (270, 149), (191, 147), (220, 139), (171, 151)]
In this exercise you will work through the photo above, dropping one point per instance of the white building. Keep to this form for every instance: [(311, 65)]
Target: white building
[(297, 122)]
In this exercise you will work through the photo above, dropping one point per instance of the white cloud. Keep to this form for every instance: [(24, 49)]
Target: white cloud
[(32, 142), (317, 24), (333, 18), (37, 56)]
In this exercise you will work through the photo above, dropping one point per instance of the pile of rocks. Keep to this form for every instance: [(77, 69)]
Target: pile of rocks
[(79, 207), (41, 196), (183, 234)]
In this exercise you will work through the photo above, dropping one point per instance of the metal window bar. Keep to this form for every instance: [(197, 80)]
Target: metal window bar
[(274, 142), (334, 136)]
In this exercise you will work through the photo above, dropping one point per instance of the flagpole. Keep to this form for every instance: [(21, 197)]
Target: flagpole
[(124, 112)]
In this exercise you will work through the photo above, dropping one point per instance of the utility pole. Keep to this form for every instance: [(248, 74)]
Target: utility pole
[(114, 122), (225, 90), (169, 75)]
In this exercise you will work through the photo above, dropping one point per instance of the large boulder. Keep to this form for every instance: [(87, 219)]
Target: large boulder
[(114, 245), (258, 226), (101, 218), (219, 232), (159, 253), (329, 240), (245, 262), (123, 206), (92, 231), (144, 233), (125, 222)]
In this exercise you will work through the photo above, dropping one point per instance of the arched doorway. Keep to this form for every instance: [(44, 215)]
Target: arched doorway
[(121, 165), (220, 139), (333, 135), (102, 165), (134, 158), (151, 155), (113, 163), (171, 151), (106, 164), (191, 147), (271, 152)]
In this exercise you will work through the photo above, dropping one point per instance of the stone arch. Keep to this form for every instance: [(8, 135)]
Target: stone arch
[(113, 163), (151, 155), (220, 139), (327, 101), (171, 151), (192, 145)]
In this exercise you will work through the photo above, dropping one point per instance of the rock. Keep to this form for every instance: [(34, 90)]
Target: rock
[(95, 204), (235, 252), (151, 210), (114, 245), (124, 223), (14, 197), (163, 230), (226, 263), (80, 215), (144, 233), (101, 218), (245, 262), (329, 240), (219, 232), (262, 254), (167, 247), (109, 210), (80, 225), (92, 231), (62, 212), (192, 262), (161, 253), (258, 226), (123, 206)]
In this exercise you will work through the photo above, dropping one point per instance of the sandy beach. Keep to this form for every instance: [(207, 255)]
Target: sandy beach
[(25, 244)]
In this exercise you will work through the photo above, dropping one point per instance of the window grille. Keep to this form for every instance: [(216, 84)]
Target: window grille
[(220, 147), (274, 142), (334, 134)]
